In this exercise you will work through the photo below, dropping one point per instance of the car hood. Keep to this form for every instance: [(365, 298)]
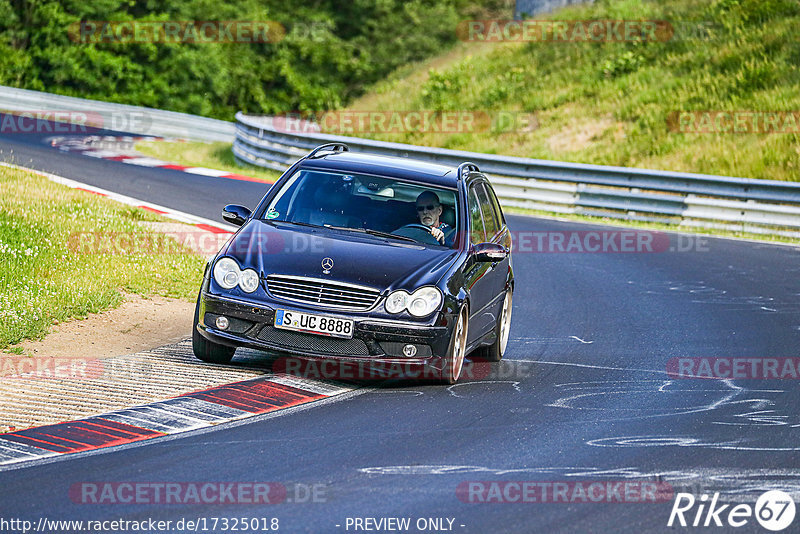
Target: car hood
[(279, 248)]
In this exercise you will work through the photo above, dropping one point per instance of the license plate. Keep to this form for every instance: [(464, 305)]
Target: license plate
[(314, 324)]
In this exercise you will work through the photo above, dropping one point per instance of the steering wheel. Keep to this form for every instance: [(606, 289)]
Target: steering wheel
[(418, 232)]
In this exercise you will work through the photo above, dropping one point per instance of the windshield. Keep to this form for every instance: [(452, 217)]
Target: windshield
[(365, 203)]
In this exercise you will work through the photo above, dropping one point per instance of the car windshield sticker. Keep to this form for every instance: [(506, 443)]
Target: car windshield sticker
[(272, 214)]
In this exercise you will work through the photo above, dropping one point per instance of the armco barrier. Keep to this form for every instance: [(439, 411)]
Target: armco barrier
[(738, 204), (699, 200), (121, 117)]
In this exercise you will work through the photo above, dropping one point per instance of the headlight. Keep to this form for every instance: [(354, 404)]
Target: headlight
[(248, 281), (226, 273), (396, 302), (424, 301)]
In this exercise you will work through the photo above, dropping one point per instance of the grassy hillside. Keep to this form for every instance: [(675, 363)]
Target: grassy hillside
[(611, 103)]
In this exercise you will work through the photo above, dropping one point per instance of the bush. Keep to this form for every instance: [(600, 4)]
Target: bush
[(332, 50)]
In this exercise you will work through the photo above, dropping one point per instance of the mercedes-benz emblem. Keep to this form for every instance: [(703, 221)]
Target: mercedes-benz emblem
[(327, 265)]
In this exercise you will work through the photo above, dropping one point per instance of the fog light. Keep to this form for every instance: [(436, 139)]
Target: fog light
[(222, 322), (409, 350)]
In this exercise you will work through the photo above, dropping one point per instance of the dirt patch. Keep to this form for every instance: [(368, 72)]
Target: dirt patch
[(138, 324), (578, 135)]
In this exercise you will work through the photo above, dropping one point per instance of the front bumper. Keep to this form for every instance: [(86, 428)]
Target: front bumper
[(374, 339)]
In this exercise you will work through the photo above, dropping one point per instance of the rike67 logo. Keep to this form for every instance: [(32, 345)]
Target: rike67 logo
[(774, 510)]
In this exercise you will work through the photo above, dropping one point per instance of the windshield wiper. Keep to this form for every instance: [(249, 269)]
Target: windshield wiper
[(369, 231), (298, 223), (392, 236)]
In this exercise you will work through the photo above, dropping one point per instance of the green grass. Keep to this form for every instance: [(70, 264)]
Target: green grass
[(198, 154), (45, 277), (609, 103)]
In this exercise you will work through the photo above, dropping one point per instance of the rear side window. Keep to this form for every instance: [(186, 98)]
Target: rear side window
[(476, 230), (496, 203), (491, 220)]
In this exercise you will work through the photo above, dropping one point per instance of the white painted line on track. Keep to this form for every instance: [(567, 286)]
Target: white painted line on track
[(129, 201), (96, 153), (11, 452), (145, 162), (206, 172), (200, 409), (323, 388)]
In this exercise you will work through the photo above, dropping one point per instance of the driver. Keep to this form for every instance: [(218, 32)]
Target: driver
[(429, 209)]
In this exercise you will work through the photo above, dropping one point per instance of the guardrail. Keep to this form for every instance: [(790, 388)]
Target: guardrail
[(737, 204), (120, 117)]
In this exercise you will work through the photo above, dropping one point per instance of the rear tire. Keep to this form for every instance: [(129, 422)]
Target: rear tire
[(206, 350), (457, 351), (495, 351)]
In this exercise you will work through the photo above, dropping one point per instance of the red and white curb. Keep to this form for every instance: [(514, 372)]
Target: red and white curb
[(192, 411), (199, 222), (88, 146)]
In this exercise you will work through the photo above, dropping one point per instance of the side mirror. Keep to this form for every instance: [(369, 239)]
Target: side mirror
[(235, 214), (489, 252)]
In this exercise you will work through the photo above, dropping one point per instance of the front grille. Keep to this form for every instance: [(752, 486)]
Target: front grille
[(322, 292), (313, 343)]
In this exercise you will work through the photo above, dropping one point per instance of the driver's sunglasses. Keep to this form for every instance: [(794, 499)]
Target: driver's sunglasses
[(429, 207)]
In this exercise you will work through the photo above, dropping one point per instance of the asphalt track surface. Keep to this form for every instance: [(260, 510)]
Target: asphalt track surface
[(582, 396)]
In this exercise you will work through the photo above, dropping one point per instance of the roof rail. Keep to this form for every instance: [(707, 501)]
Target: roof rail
[(335, 147), (466, 168)]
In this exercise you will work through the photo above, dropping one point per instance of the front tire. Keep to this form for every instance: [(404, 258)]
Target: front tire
[(206, 350), (495, 351), (457, 351)]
